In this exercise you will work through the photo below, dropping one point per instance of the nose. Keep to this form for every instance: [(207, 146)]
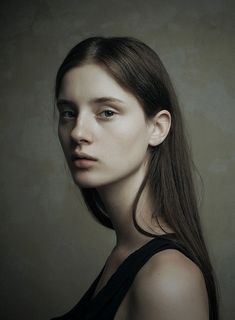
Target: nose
[(81, 132)]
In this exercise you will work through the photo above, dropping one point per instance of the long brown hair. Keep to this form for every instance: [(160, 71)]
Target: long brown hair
[(170, 175)]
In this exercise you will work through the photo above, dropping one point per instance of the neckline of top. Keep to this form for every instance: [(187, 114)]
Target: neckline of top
[(110, 280)]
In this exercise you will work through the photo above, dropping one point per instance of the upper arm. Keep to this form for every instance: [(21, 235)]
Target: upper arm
[(170, 286)]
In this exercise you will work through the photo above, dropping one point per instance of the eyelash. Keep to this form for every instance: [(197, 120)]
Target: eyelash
[(106, 110)]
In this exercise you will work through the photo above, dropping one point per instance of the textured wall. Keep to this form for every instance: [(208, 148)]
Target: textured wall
[(51, 247)]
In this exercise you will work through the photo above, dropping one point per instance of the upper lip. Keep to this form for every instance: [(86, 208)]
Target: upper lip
[(82, 155)]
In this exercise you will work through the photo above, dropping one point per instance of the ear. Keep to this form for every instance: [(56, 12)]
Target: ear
[(159, 127)]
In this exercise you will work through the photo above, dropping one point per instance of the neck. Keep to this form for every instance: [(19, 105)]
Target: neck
[(118, 199)]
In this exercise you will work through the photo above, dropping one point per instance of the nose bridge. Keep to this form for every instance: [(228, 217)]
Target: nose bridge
[(81, 129)]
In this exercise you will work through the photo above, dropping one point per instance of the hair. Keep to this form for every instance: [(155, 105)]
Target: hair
[(138, 68)]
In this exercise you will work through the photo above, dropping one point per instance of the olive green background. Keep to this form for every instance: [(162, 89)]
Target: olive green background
[(51, 247)]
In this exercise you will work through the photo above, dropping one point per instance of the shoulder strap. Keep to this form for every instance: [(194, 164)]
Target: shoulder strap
[(106, 305)]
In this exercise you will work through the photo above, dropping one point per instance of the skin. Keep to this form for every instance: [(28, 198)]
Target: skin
[(110, 137), (170, 286), (119, 139)]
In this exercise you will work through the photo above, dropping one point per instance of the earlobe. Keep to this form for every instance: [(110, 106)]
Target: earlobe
[(160, 127)]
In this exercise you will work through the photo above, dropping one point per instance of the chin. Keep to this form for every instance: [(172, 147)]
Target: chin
[(91, 179), (84, 182)]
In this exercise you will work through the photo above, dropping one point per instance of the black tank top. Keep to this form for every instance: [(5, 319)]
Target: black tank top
[(105, 303)]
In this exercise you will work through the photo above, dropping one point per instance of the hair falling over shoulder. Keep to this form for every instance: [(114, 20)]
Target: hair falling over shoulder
[(138, 68)]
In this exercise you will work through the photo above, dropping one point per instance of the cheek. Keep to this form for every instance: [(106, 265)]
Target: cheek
[(131, 141), (63, 136), (135, 134)]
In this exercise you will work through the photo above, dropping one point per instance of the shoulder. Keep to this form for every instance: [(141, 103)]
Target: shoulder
[(169, 286)]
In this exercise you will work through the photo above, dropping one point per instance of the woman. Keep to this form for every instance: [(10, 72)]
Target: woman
[(123, 137)]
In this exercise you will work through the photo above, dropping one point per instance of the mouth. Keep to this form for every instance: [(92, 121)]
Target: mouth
[(83, 163), (82, 160), (81, 156)]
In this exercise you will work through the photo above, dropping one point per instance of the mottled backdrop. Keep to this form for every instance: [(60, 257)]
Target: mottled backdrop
[(51, 248)]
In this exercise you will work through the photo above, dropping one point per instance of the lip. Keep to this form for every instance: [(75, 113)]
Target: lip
[(82, 155), (83, 163)]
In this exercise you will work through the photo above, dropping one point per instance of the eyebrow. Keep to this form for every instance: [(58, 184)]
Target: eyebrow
[(92, 101)]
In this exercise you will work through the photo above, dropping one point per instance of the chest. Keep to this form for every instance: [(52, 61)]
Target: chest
[(123, 310), (124, 307)]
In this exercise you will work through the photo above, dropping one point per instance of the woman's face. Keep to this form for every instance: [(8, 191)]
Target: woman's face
[(100, 118)]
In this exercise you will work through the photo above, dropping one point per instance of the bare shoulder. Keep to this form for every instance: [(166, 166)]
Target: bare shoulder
[(169, 286)]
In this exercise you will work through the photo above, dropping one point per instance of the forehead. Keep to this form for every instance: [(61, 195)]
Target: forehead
[(89, 81)]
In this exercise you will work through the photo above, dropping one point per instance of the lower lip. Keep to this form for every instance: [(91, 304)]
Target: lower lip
[(84, 163)]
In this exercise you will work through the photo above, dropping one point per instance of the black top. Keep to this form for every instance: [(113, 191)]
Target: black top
[(105, 303)]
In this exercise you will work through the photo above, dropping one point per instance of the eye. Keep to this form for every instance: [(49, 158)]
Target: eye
[(108, 112), (65, 114)]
